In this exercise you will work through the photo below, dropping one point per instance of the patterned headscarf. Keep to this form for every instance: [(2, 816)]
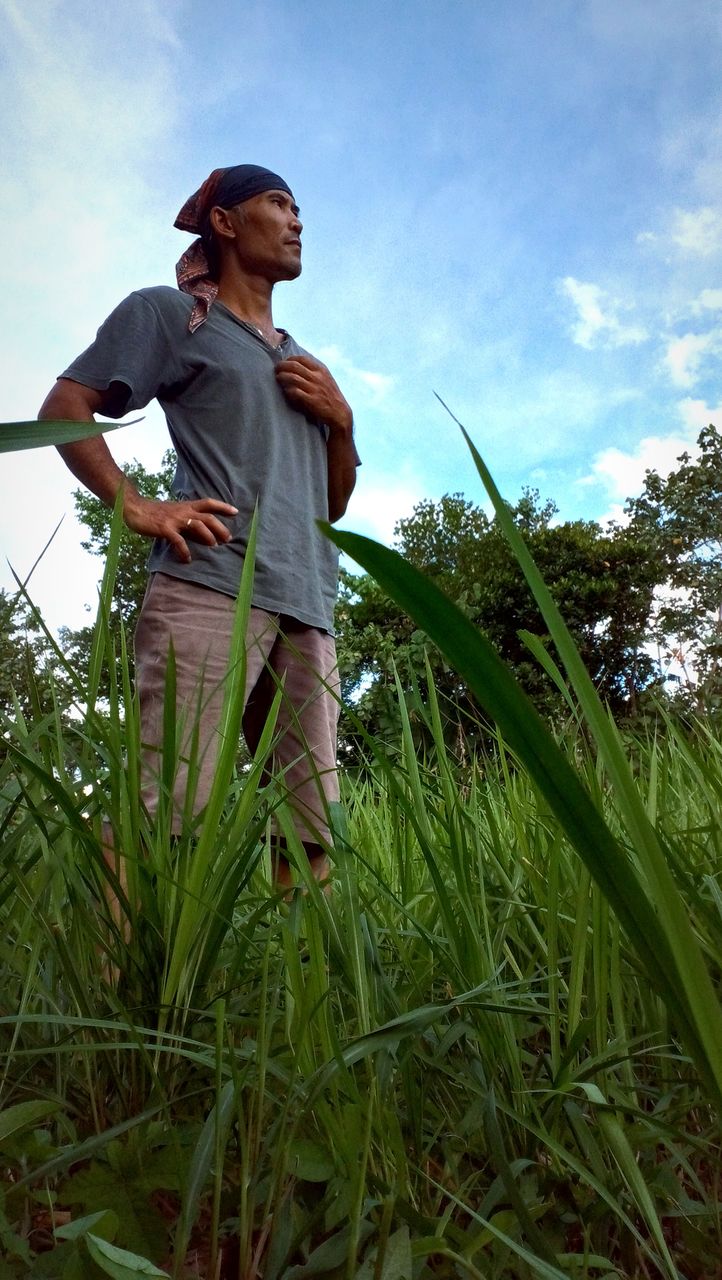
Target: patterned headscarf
[(227, 188)]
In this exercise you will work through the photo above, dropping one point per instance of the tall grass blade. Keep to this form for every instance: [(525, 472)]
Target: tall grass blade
[(217, 1123), (16, 436)]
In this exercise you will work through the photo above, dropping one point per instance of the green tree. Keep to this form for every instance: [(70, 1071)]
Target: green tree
[(602, 580), (678, 520), (27, 667)]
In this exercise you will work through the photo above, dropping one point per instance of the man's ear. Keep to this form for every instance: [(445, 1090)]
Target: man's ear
[(222, 222)]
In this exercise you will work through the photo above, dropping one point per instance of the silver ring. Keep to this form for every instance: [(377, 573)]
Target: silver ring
[(189, 521)]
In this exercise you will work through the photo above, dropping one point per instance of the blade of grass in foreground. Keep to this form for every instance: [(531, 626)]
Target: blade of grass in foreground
[(476, 661), (16, 436)]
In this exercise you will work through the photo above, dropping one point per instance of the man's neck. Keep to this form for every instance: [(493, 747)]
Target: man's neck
[(249, 298)]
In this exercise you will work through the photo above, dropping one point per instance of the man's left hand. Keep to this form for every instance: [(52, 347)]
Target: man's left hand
[(308, 385)]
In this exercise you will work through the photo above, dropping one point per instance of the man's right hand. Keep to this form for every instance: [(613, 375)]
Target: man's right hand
[(178, 522), (92, 463)]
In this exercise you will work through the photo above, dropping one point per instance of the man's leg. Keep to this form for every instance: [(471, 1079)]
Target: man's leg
[(303, 659), (198, 622)]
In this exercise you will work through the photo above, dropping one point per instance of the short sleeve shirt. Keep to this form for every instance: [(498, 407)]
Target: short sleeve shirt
[(236, 438)]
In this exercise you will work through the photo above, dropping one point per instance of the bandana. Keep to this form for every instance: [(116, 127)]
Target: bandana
[(227, 188)]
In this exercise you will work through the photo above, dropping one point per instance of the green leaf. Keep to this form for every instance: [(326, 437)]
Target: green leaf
[(104, 1224), (329, 1255), (536, 646), (15, 436), (24, 1115), (629, 1168), (397, 1258), (309, 1161), (214, 1130), (686, 975), (74, 1153), (119, 1263), (11, 1244), (97, 1187), (66, 1262)]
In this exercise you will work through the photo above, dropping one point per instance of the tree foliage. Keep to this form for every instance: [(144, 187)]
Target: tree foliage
[(602, 581), (678, 520), (27, 669)]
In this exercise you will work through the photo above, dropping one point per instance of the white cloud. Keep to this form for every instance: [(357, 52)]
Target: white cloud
[(83, 214), (708, 300), (697, 231), (81, 205), (684, 355), (378, 385), (598, 322), (697, 414), (378, 505), (691, 233), (620, 472), (89, 117)]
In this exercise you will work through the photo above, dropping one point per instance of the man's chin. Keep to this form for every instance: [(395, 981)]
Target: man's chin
[(291, 271)]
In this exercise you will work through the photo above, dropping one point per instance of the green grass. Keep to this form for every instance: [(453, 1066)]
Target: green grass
[(456, 1065), (491, 1052)]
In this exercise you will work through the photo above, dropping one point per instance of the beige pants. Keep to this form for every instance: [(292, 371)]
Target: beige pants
[(199, 623)]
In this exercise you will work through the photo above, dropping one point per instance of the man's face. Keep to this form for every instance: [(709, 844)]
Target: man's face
[(267, 238)]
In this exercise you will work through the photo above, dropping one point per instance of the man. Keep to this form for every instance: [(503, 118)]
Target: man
[(256, 423)]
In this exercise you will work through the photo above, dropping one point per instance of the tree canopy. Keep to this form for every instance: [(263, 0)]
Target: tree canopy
[(27, 667), (601, 580), (678, 519)]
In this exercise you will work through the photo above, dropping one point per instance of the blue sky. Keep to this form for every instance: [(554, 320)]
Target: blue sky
[(515, 204)]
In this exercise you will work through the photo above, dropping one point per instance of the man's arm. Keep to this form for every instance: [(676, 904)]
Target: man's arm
[(309, 385), (92, 463), (342, 464)]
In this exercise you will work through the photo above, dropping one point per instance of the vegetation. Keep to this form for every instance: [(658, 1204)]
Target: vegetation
[(603, 581), (678, 518), (26, 669), (495, 1050), (638, 598), (453, 1066)]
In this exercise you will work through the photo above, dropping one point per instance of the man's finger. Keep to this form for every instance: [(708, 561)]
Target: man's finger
[(307, 362), (198, 531), (308, 375), (179, 545), (300, 393), (292, 387), (214, 504), (205, 529)]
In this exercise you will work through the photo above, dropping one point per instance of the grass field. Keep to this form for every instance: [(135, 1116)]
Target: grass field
[(493, 1051), (457, 1064)]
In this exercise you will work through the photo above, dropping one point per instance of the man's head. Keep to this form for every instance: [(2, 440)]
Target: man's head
[(238, 192), (245, 213)]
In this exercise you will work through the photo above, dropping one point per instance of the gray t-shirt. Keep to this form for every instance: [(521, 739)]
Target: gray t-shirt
[(236, 438)]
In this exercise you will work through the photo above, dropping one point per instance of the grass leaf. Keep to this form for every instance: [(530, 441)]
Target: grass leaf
[(16, 436)]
